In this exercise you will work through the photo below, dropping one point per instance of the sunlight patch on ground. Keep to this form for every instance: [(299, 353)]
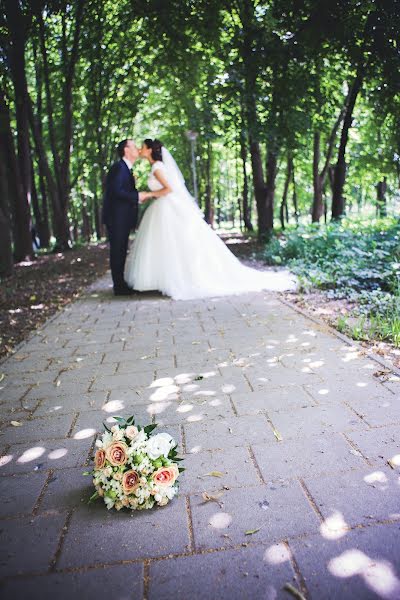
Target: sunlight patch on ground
[(377, 477), (58, 453), (277, 554), (113, 406), (228, 388), (157, 408), (378, 575), (163, 381), (84, 433), (164, 393), (4, 460), (220, 520), (31, 454), (334, 526), (195, 450)]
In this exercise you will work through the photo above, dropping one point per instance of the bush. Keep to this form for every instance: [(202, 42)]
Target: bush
[(357, 260)]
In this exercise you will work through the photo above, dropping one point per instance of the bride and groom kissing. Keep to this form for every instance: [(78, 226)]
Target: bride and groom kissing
[(174, 251)]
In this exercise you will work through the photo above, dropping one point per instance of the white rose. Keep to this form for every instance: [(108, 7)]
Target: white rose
[(159, 445), (131, 432), (117, 433), (107, 439)]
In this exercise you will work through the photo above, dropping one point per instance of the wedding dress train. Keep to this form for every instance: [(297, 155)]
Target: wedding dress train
[(176, 252)]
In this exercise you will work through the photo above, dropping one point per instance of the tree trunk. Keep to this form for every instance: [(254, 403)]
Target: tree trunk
[(60, 227), (208, 209), (17, 198), (246, 212), (284, 207), (18, 26), (6, 254), (259, 187), (272, 171), (294, 196), (340, 169), (318, 205)]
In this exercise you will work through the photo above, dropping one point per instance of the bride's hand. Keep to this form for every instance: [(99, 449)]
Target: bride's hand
[(143, 196)]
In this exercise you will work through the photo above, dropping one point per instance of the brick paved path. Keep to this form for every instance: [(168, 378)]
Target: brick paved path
[(306, 439)]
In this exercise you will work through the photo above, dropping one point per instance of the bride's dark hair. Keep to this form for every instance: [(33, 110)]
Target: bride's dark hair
[(155, 147)]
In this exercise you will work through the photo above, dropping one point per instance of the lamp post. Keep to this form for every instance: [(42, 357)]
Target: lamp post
[(192, 137)]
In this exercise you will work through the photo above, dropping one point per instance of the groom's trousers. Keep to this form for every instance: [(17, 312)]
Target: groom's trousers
[(118, 236)]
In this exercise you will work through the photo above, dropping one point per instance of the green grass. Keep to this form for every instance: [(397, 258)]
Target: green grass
[(358, 260)]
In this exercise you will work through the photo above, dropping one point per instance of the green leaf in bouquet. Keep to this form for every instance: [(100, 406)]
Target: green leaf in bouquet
[(149, 428), (177, 459), (106, 427), (131, 420), (93, 497), (87, 473), (181, 469), (120, 420)]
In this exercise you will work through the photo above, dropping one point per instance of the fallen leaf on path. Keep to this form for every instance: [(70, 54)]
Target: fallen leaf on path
[(2, 377), (212, 498), (211, 474), (16, 424), (292, 590), (278, 435), (252, 531), (58, 383)]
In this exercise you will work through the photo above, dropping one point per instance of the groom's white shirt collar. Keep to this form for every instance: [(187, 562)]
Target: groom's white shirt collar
[(127, 162)]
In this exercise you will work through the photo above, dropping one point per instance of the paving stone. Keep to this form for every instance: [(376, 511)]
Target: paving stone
[(364, 563), (67, 404), (278, 513), (50, 427), (48, 454), (12, 393), (90, 423), (67, 387), (282, 399), (66, 489), (19, 493), (308, 421), (192, 410), (225, 433), (379, 444), (119, 582), (327, 393), (295, 458), (248, 573), (96, 535), (132, 381), (19, 537), (381, 410), (356, 497), (234, 465)]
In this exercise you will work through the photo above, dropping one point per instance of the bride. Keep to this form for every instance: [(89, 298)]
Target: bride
[(176, 252)]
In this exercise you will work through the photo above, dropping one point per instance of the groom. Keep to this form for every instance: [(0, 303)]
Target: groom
[(120, 211)]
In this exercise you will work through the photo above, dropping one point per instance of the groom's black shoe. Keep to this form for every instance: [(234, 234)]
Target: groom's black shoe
[(124, 291)]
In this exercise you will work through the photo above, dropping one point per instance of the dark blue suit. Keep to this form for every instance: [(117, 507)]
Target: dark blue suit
[(120, 214)]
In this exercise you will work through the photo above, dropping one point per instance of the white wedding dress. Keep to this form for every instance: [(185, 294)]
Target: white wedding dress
[(176, 252)]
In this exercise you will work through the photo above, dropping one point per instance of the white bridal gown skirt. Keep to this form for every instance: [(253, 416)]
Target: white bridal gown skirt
[(176, 252)]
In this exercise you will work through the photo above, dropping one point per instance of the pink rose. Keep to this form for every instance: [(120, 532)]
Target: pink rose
[(116, 453), (99, 459), (166, 476), (130, 482)]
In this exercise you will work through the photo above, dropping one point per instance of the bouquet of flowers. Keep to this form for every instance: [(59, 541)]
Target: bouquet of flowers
[(135, 468)]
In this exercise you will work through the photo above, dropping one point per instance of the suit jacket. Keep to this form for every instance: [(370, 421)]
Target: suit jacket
[(120, 202)]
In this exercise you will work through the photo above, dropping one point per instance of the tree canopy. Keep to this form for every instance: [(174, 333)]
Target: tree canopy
[(296, 106)]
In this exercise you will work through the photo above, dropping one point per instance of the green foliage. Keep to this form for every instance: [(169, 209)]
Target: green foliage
[(357, 260)]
